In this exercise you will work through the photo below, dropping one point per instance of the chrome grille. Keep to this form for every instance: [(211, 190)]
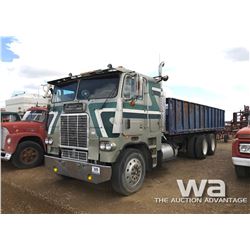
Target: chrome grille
[(74, 154), (74, 131)]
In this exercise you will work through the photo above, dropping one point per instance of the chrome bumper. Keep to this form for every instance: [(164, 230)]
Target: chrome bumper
[(5, 156), (241, 161), (79, 170)]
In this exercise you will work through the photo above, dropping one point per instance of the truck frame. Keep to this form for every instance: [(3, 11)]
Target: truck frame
[(115, 124)]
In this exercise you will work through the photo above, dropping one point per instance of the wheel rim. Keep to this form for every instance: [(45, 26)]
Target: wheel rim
[(133, 172), (29, 155), (204, 147), (213, 144)]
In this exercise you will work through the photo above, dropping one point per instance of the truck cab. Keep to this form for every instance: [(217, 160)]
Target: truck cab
[(22, 142), (102, 118), (241, 152)]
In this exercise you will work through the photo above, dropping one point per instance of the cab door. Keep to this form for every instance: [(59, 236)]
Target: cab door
[(134, 108)]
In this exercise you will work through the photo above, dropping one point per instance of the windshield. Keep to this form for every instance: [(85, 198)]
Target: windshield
[(35, 115), (64, 93), (9, 117), (96, 87), (104, 86)]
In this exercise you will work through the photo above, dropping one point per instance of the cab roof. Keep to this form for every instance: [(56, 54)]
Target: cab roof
[(61, 81), (119, 69), (37, 109)]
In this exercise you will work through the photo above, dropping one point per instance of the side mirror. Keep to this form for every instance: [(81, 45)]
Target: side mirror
[(164, 78), (139, 84), (140, 81)]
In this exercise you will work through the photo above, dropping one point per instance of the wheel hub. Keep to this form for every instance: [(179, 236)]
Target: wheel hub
[(133, 172), (29, 155)]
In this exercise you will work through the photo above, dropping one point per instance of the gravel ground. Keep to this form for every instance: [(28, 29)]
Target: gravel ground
[(39, 190)]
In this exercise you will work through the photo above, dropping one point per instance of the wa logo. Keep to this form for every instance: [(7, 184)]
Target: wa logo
[(215, 188)]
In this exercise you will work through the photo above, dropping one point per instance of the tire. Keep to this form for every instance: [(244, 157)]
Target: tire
[(226, 137), (128, 173), (241, 171), (212, 144), (28, 154), (191, 147), (201, 147)]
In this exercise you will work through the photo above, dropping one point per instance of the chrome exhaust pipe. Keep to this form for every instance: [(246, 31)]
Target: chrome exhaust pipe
[(161, 65)]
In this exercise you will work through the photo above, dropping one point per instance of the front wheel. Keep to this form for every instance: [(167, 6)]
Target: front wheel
[(28, 154), (128, 173), (241, 171)]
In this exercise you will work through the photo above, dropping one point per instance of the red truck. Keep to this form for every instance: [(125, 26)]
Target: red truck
[(241, 152), (22, 142)]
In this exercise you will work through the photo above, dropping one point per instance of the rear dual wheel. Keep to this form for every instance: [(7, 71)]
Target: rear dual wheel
[(212, 144), (199, 146)]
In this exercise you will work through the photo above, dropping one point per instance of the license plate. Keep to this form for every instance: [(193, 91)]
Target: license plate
[(96, 170)]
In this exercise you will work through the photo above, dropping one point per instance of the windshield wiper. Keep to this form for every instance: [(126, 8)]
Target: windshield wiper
[(111, 94)]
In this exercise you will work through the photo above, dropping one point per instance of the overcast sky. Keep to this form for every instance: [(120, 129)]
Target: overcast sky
[(205, 45)]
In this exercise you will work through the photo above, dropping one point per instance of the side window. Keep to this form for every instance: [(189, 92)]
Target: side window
[(13, 118), (133, 87)]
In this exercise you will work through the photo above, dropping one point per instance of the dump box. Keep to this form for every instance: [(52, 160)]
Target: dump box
[(184, 117)]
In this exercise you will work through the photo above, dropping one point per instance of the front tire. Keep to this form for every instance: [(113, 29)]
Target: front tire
[(241, 171), (128, 173), (28, 154)]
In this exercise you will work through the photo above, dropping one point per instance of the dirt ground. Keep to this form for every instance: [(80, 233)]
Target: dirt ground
[(39, 190)]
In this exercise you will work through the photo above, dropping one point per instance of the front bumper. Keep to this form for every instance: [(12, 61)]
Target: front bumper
[(5, 156), (79, 170), (238, 161)]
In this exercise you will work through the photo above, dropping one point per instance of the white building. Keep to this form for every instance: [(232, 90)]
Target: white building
[(20, 103)]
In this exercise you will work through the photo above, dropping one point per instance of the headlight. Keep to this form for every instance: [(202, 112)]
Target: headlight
[(49, 141), (244, 148), (107, 146), (4, 133), (102, 145), (9, 141)]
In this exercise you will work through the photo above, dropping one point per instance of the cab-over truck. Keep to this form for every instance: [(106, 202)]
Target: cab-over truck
[(115, 124)]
